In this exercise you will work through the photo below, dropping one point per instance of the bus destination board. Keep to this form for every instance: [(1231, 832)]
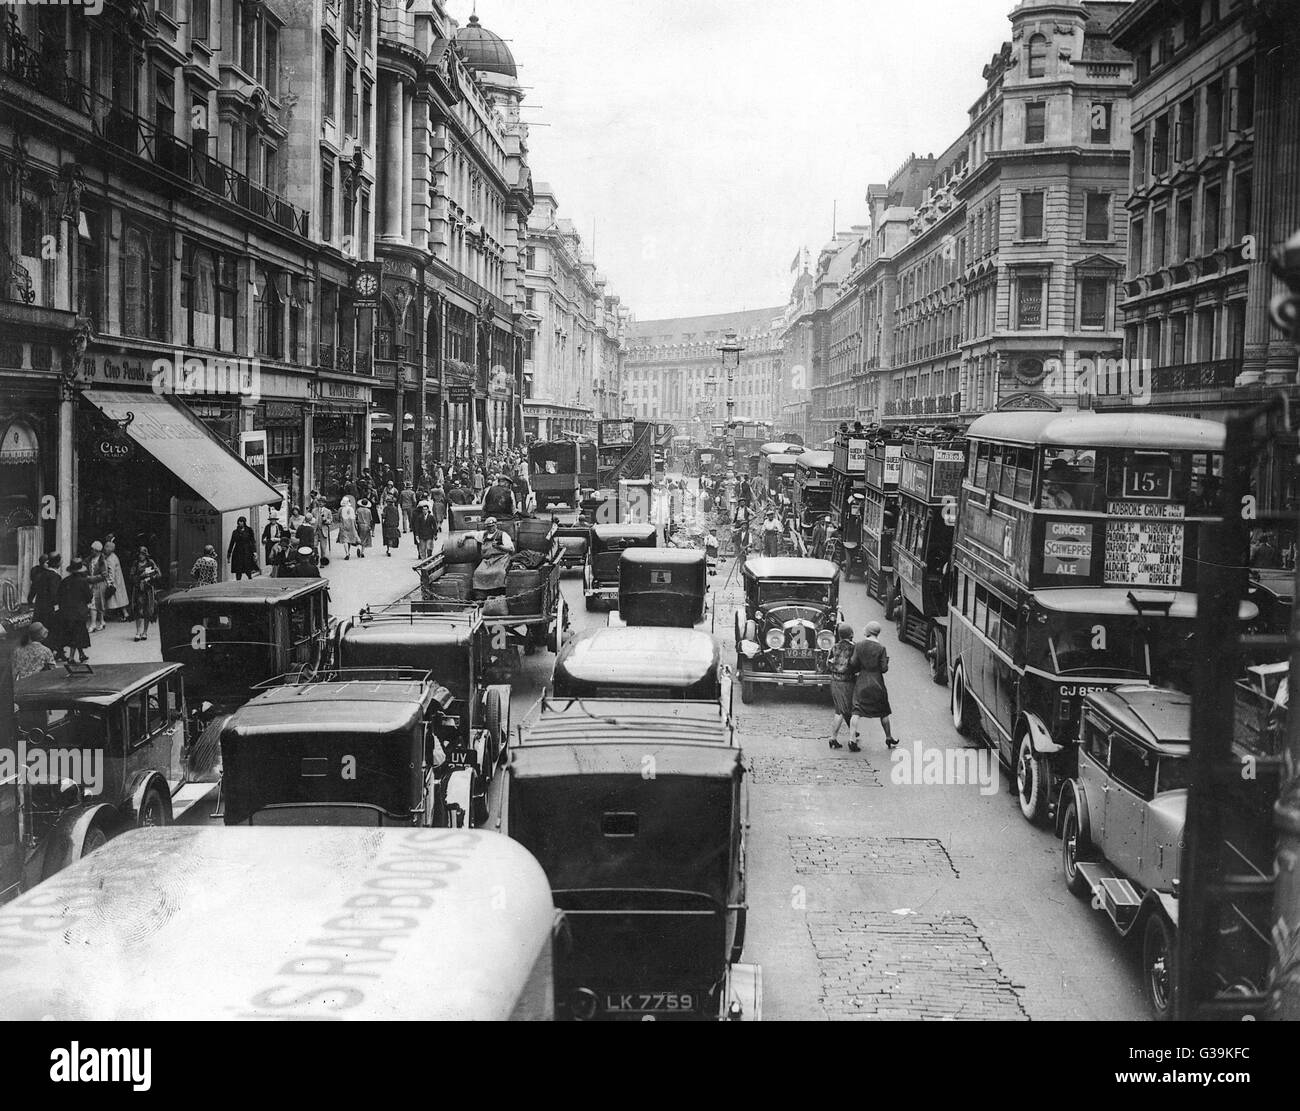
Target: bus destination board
[(1144, 553)]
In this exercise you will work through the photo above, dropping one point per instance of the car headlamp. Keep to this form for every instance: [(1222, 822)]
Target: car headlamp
[(825, 641), (775, 638)]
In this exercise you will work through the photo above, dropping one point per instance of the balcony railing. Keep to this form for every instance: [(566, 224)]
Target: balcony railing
[(935, 405), (1216, 374), (48, 72)]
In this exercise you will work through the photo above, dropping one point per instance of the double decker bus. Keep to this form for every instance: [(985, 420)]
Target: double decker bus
[(848, 496), (929, 484), (884, 464), (1075, 565), (812, 490)]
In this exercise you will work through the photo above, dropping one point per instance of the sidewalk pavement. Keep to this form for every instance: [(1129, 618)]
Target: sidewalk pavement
[(375, 580)]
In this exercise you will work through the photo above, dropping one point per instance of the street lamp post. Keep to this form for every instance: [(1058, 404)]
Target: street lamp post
[(730, 350)]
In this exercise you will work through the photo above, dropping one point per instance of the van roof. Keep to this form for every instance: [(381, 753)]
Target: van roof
[(249, 922)]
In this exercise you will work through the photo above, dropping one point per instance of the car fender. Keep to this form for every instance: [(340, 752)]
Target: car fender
[(1039, 737), (479, 744), (1166, 904), (458, 791), (63, 843), (140, 784), (1073, 789)]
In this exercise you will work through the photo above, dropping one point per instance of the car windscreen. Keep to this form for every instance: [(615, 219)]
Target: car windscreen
[(776, 593), (1174, 773), (221, 641)]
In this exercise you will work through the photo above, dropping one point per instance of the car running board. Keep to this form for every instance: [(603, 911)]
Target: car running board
[(1113, 894)]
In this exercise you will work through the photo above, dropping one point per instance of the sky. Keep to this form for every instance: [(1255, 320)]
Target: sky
[(701, 143)]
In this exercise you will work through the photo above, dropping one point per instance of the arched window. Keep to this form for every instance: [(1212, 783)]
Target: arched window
[(1038, 56)]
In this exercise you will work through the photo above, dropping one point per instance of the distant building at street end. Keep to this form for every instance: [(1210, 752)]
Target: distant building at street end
[(673, 370)]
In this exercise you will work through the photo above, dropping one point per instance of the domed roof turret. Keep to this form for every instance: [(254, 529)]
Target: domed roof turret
[(484, 51)]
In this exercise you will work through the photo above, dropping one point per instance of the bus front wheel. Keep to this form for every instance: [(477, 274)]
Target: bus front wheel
[(1032, 778), (963, 714), (936, 649)]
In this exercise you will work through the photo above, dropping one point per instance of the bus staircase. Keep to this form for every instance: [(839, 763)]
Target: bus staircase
[(636, 463), (1232, 934)]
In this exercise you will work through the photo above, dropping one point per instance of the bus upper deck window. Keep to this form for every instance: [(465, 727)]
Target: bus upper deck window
[(1068, 480)]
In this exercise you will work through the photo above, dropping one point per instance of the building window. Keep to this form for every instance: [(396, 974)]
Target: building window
[(1205, 335), (1136, 235), (1243, 98), (365, 225), (1160, 146), (199, 20), (1178, 339), (1099, 121), (1214, 113), (1029, 301), (1211, 218), (251, 24), (1236, 329), (1031, 215), (90, 274), (350, 99), (366, 95), (330, 80), (1038, 56), (1094, 294), (269, 312), (1160, 239), (327, 200), (1096, 222), (1186, 146), (271, 67), (145, 285), (164, 112), (1183, 229), (1153, 343), (1241, 207), (1035, 122), (1139, 158)]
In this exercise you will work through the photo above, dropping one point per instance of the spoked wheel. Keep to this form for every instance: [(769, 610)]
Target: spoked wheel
[(936, 651), (153, 811), (1074, 848), (1031, 781), (1158, 965), (959, 702), (96, 838)]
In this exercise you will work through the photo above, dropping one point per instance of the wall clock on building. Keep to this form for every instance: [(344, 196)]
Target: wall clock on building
[(365, 284)]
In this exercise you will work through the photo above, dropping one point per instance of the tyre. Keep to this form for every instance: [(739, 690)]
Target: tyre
[(95, 838), (746, 691), (591, 603), (1158, 971), (936, 651), (153, 811), (959, 702), (1032, 779), (900, 615), (495, 716), (1074, 848), (893, 604)]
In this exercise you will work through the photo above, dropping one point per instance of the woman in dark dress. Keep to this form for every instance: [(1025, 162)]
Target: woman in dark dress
[(44, 593), (75, 597), (242, 551), (144, 575), (870, 697), (840, 666), (392, 523)]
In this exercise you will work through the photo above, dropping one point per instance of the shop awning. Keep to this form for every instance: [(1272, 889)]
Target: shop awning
[(185, 446)]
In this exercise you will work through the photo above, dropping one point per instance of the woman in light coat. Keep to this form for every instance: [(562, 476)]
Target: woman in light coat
[(365, 524), (117, 600), (348, 537)]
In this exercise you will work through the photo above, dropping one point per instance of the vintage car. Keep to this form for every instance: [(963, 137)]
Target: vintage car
[(663, 586), (604, 557), (639, 818), (219, 924), (574, 540), (102, 749), (370, 747), (787, 628), (453, 643), (1121, 820), (679, 665)]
